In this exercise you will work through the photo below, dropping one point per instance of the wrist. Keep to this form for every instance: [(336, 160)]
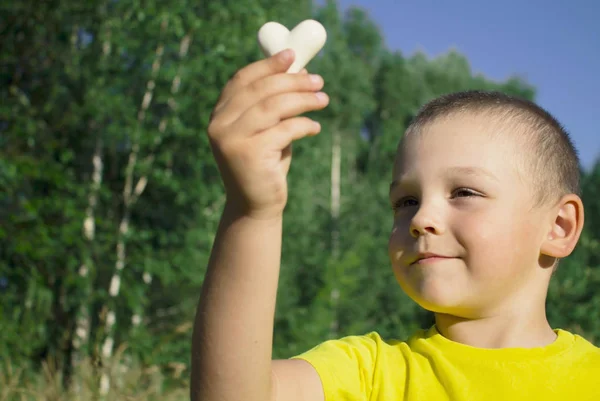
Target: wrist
[(234, 210)]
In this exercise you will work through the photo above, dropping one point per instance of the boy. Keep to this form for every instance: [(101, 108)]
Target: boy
[(484, 191)]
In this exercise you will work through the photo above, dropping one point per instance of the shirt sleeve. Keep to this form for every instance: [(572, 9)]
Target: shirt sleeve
[(345, 366)]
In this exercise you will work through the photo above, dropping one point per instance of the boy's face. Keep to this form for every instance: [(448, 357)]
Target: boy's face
[(464, 195)]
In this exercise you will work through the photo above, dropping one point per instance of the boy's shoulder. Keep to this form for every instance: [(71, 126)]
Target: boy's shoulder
[(584, 347)]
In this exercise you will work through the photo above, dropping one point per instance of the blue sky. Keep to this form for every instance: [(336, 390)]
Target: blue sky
[(554, 45)]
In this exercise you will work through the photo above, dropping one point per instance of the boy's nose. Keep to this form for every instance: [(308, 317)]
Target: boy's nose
[(424, 222)]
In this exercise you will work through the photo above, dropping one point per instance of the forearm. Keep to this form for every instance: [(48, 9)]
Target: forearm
[(233, 334)]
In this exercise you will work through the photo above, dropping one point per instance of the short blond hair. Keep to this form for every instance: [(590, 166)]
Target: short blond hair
[(550, 153)]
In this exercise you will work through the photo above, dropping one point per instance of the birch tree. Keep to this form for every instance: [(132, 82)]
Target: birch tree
[(130, 195), (348, 82)]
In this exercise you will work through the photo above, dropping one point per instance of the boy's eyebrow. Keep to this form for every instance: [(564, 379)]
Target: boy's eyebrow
[(474, 171), (459, 170)]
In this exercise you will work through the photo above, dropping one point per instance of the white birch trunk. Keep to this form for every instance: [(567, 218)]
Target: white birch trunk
[(184, 45), (82, 319), (336, 161), (130, 195), (82, 329)]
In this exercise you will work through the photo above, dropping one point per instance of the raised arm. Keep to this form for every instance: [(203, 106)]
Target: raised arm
[(251, 131)]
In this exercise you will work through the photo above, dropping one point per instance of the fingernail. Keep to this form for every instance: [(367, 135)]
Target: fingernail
[(286, 55), (322, 96), (317, 125), (315, 78)]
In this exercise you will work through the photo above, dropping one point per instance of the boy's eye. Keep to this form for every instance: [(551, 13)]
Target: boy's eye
[(464, 192), (405, 202), (409, 201)]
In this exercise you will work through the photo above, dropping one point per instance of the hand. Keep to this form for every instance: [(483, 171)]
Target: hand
[(252, 129)]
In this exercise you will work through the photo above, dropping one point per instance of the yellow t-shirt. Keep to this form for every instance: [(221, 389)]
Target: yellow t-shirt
[(429, 367)]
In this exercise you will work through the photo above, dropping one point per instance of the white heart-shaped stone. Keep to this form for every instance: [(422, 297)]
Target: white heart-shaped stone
[(306, 39)]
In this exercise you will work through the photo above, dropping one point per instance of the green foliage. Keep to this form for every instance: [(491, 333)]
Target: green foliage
[(75, 82)]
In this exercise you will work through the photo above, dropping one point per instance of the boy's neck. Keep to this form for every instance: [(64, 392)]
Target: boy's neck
[(523, 330)]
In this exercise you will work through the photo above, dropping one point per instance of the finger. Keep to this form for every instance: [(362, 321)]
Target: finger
[(277, 63), (267, 87), (283, 134), (303, 71), (286, 157), (271, 111)]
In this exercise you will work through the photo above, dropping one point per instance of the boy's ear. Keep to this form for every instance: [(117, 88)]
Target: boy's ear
[(565, 227)]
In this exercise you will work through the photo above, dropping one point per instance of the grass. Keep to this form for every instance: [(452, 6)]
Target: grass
[(128, 383)]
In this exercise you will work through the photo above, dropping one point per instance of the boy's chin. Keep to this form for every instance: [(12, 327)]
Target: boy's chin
[(439, 299), (442, 306), (457, 306)]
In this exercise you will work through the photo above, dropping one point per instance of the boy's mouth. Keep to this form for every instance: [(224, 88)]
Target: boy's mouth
[(429, 257)]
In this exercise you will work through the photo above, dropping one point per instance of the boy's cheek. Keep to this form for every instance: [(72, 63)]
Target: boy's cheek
[(489, 228), (395, 248), (495, 241), (400, 243)]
